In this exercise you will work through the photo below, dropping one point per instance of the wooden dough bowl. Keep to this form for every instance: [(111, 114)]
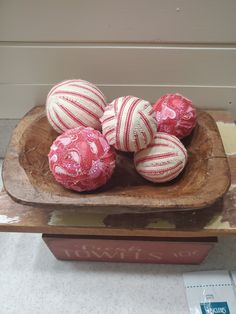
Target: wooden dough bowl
[(27, 178)]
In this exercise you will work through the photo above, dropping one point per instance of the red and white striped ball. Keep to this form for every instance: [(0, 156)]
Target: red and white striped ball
[(128, 123), (81, 159), (162, 160), (75, 103)]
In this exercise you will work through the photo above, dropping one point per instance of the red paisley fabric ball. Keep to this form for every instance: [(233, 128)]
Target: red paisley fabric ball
[(175, 115), (81, 159)]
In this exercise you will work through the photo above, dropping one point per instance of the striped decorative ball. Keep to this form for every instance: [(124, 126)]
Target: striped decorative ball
[(128, 124), (75, 103), (162, 160)]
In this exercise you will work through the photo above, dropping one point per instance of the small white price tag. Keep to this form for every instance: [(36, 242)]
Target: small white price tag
[(210, 292)]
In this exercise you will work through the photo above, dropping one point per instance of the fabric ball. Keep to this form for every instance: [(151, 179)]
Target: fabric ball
[(75, 103), (175, 115), (128, 123), (81, 159), (162, 160)]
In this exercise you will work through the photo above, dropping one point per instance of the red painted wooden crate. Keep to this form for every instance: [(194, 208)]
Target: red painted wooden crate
[(130, 249)]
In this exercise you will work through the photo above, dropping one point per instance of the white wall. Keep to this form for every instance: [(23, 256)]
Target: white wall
[(145, 48), (178, 21)]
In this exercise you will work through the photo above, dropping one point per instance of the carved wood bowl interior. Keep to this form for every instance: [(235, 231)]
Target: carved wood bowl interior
[(28, 180)]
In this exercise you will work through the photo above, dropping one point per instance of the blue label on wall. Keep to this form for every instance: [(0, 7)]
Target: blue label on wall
[(215, 308)]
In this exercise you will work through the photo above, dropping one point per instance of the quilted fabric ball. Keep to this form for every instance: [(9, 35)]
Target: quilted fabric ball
[(128, 123), (162, 160), (81, 159), (175, 115), (75, 103)]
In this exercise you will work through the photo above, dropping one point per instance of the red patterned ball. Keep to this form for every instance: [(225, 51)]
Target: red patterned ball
[(81, 159), (175, 115)]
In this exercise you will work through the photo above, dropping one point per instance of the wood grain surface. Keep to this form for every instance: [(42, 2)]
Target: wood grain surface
[(217, 220), (205, 179)]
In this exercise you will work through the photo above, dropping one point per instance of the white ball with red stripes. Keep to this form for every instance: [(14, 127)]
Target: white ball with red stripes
[(128, 123), (74, 103), (163, 160)]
